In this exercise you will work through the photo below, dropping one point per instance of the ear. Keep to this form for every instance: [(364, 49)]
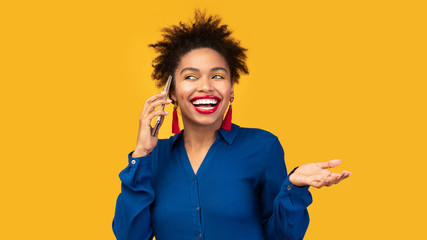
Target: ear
[(232, 93), (172, 91), (172, 96)]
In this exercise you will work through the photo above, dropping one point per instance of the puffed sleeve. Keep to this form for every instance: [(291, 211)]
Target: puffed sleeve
[(132, 218), (284, 206)]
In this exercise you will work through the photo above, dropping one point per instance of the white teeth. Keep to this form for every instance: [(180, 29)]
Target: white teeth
[(205, 101), (207, 108)]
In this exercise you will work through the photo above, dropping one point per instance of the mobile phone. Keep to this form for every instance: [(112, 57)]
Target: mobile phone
[(160, 118)]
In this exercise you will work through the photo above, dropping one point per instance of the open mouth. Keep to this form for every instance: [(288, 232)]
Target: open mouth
[(206, 104)]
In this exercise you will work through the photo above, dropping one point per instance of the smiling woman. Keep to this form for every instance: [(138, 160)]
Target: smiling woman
[(203, 89), (214, 179)]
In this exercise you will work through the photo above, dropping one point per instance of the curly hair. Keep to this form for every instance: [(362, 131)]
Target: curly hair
[(205, 31)]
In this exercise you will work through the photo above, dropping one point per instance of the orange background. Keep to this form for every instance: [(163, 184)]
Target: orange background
[(332, 79)]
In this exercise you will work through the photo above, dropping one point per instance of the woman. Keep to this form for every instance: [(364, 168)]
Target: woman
[(214, 180)]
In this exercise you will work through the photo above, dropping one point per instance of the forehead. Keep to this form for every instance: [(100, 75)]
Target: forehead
[(203, 59)]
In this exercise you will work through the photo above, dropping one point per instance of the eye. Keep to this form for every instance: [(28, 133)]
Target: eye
[(218, 76), (190, 76)]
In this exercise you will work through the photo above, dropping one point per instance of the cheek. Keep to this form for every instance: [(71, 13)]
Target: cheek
[(186, 87), (183, 90), (225, 90)]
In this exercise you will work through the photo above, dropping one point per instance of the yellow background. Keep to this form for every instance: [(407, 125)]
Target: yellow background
[(332, 79)]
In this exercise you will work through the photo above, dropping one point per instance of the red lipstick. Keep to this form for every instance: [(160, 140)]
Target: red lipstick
[(207, 110)]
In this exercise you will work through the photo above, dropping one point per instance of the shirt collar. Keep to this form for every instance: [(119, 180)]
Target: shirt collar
[(228, 136)]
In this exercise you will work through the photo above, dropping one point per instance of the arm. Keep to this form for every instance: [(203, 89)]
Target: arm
[(284, 206), (132, 218)]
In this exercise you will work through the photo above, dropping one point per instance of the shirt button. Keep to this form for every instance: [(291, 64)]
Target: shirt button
[(133, 161), (289, 188), (200, 235), (197, 208), (195, 181)]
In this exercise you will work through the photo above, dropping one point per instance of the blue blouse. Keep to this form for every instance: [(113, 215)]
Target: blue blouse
[(241, 191)]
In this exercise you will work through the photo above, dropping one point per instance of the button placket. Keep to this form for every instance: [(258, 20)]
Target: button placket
[(196, 210)]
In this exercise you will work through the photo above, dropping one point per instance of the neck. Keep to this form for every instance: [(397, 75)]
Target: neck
[(196, 136)]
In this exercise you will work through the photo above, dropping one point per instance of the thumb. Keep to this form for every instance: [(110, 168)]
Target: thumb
[(331, 163)]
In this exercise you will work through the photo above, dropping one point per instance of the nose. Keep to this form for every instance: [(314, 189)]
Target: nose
[(205, 84)]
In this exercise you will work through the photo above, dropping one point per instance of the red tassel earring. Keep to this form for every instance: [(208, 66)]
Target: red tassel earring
[(226, 123), (175, 123)]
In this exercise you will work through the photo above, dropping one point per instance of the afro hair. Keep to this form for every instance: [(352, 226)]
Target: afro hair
[(204, 31)]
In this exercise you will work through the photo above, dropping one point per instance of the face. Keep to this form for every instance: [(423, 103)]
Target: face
[(203, 87)]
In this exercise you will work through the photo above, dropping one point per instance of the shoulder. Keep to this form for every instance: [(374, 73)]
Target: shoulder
[(163, 150), (262, 145), (256, 134), (165, 144), (257, 139)]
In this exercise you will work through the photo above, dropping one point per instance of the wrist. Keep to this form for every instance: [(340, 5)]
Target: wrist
[(140, 153), (292, 180)]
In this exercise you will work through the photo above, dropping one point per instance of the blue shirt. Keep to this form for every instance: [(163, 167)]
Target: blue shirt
[(241, 191)]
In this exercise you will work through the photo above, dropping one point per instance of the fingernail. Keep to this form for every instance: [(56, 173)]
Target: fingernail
[(169, 100), (166, 113)]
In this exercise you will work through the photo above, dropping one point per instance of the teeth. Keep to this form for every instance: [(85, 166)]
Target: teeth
[(205, 101), (205, 107)]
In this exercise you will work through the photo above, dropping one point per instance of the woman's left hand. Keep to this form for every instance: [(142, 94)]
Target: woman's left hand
[(317, 175)]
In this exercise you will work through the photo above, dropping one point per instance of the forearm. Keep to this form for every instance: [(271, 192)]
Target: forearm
[(290, 218), (132, 219)]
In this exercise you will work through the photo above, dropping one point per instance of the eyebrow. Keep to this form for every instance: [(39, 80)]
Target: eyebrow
[(197, 70)]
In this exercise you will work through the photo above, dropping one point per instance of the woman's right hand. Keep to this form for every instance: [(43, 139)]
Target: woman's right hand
[(146, 142)]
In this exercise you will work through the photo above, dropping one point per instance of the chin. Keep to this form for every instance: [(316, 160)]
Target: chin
[(205, 121), (209, 123)]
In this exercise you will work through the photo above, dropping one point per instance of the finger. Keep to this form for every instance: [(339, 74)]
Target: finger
[(344, 175), (147, 120), (157, 113), (155, 97), (339, 178), (322, 183), (329, 181), (333, 178), (330, 163), (151, 106), (148, 101), (342, 178), (336, 179), (318, 182), (348, 174)]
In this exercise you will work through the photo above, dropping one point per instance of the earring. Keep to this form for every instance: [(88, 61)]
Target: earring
[(226, 123), (175, 123)]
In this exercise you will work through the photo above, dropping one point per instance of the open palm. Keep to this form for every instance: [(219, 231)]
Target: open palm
[(317, 174)]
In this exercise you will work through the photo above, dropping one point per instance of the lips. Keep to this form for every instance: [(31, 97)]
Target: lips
[(206, 104)]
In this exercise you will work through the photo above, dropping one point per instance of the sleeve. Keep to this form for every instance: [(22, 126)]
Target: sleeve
[(132, 218), (284, 206)]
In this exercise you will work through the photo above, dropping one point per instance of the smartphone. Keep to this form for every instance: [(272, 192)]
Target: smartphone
[(160, 118)]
